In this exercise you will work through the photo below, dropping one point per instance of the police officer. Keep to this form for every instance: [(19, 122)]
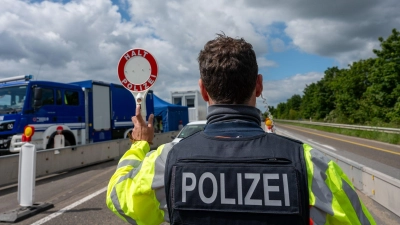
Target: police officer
[(232, 172), (268, 125)]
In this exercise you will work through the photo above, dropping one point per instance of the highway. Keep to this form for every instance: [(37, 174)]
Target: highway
[(79, 195), (380, 156)]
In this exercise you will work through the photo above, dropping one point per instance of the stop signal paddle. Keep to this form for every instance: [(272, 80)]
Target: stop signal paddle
[(138, 71)]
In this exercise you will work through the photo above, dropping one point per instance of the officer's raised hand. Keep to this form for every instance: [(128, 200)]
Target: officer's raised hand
[(141, 130)]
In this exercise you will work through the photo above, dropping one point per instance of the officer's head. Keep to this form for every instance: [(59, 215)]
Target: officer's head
[(229, 72)]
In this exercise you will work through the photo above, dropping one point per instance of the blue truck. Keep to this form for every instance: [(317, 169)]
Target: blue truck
[(88, 111)]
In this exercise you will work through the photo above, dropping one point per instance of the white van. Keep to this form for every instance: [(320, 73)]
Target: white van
[(189, 129)]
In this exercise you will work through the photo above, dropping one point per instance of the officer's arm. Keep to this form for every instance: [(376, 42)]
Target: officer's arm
[(333, 199), (130, 192)]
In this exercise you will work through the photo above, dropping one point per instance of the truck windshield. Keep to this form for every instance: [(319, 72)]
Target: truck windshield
[(12, 99)]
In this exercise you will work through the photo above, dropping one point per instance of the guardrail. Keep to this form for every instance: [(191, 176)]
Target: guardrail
[(72, 157), (357, 127)]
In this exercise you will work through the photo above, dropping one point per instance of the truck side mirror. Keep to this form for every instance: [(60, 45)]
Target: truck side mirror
[(37, 97)]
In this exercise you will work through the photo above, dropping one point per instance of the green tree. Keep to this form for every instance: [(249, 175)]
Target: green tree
[(281, 111), (308, 105), (272, 110), (326, 97), (318, 98), (382, 95), (368, 91), (294, 102), (293, 107), (349, 86)]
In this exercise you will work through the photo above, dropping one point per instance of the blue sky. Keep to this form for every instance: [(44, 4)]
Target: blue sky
[(294, 61), (295, 41)]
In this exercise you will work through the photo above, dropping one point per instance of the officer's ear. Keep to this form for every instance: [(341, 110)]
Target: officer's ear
[(203, 91), (259, 85)]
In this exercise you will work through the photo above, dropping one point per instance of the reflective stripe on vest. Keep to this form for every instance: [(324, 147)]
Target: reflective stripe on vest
[(324, 205), (127, 188)]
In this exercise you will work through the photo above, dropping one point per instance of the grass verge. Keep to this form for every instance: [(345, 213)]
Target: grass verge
[(390, 138)]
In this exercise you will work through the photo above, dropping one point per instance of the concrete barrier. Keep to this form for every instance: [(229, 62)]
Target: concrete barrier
[(68, 158), (162, 138)]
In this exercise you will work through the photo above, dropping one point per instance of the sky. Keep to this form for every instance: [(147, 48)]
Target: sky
[(295, 41)]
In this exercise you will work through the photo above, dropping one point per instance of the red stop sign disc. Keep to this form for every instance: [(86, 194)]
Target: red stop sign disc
[(137, 70)]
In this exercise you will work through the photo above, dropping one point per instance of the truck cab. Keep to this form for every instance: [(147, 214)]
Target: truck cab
[(12, 106), (43, 105)]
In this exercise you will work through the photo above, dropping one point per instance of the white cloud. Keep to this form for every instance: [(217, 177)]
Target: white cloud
[(276, 91), (263, 62), (326, 38), (182, 68), (84, 39)]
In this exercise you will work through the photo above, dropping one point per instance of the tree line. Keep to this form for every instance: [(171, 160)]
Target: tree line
[(366, 93)]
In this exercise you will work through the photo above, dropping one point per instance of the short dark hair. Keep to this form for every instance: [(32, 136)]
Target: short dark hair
[(228, 69)]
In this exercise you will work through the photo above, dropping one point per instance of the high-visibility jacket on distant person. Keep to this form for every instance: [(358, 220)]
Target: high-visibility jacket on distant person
[(136, 191)]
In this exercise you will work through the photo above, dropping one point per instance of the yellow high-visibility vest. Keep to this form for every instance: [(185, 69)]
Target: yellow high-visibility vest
[(136, 191)]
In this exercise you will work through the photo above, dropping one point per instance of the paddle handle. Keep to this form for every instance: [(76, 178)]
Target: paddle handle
[(140, 99)]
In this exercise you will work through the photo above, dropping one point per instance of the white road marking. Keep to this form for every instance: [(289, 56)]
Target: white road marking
[(311, 141), (285, 132), (73, 205), (329, 147), (326, 146)]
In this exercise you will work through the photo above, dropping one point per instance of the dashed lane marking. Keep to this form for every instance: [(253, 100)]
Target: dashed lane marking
[(322, 145)]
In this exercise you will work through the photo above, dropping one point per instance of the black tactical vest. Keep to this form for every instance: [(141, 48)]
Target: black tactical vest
[(255, 180)]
